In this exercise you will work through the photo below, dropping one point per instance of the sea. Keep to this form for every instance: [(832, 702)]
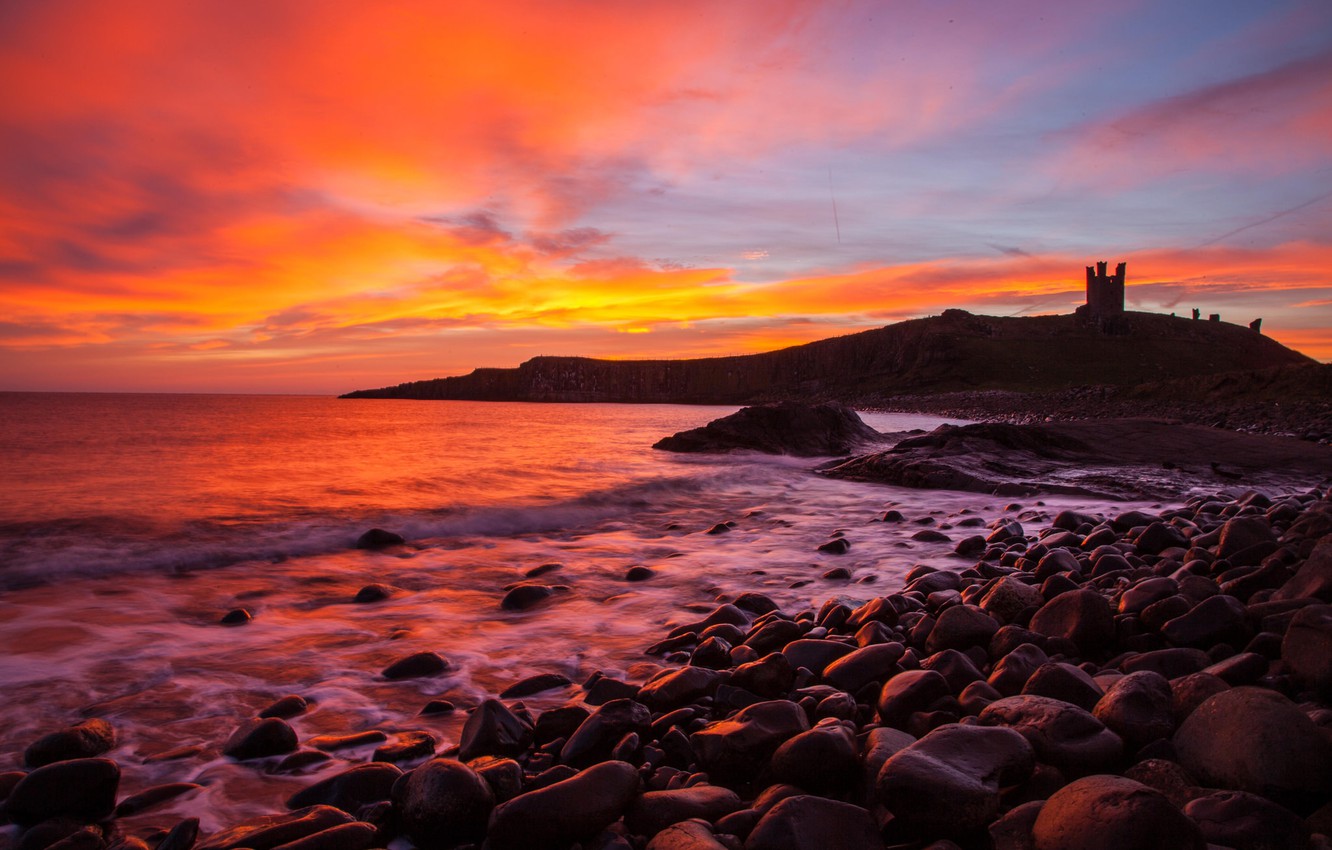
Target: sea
[(131, 524)]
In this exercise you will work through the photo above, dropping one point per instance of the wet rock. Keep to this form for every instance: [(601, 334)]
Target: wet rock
[(1013, 830), (438, 706), (535, 685), (596, 736), (1170, 663), (1113, 813), (655, 810), (873, 663), (804, 822), (286, 708), (1217, 619), (929, 535), (956, 667), (260, 737), (773, 635), (415, 666), (350, 789), (1247, 822), (1009, 597), (674, 688), (378, 538), (824, 759), (301, 761), (686, 835), (1138, 708), (559, 722), (1063, 735), (271, 831), (961, 627), (493, 730), (713, 653), (815, 655), (1306, 648), (599, 689), (734, 749), (149, 797), (1159, 536), (504, 776), (948, 782), (1314, 577), (970, 547), (1011, 672), (639, 573), (85, 740), (526, 596), (1256, 740), (62, 834), (836, 546), (771, 676), (1138, 597), (443, 803), (410, 746), (910, 692), (1082, 616), (80, 789), (1189, 692), (182, 836), (373, 593), (556, 816), (236, 617), (1245, 534), (348, 836), (333, 743), (1065, 682), (793, 428)]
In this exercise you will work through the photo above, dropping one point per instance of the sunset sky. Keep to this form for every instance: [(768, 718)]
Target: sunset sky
[(322, 195)]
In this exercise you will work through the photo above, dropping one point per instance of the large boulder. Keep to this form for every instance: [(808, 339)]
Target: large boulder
[(1113, 813), (1063, 735), (948, 782), (1256, 740), (735, 749), (556, 816), (1082, 616), (443, 803), (1138, 708), (1307, 648), (803, 822), (79, 789), (793, 428), (1314, 577)]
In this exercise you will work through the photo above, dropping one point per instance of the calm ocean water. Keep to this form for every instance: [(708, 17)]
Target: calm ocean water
[(130, 524)]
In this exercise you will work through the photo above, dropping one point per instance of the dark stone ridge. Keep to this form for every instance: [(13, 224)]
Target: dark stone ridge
[(788, 428), (1126, 458)]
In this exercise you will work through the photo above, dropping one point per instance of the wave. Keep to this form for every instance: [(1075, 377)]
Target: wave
[(34, 553)]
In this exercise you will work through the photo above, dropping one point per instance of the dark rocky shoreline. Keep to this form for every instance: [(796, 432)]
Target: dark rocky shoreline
[(1132, 681)]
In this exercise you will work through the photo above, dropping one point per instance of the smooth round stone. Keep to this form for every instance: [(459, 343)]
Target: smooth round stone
[(948, 782), (1009, 597), (1307, 648), (526, 596), (803, 822), (554, 817), (815, 655), (824, 759), (1248, 822), (685, 835), (655, 810), (1011, 672), (734, 749), (1138, 708), (260, 737), (80, 789), (1113, 813), (270, 831), (373, 593), (535, 685), (909, 692), (88, 739), (1214, 620), (493, 730), (1256, 740), (1065, 682), (350, 789), (961, 627), (597, 735), (443, 803), (286, 708), (378, 538), (415, 666), (874, 663), (1063, 735), (1082, 616), (672, 689)]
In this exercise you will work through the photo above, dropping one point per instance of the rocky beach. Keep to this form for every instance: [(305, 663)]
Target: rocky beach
[(1053, 677)]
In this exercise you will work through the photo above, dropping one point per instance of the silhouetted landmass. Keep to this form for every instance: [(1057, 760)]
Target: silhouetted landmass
[(955, 352)]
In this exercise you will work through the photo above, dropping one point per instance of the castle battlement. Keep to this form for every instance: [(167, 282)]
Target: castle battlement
[(1105, 296)]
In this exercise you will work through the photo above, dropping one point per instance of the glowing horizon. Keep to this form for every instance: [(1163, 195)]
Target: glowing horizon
[(323, 197)]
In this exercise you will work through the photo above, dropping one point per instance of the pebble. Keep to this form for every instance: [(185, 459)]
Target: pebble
[(349, 790), (81, 789), (493, 730), (558, 815), (88, 739), (415, 666), (260, 737)]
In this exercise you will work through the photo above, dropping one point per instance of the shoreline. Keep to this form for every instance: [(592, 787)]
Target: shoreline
[(884, 683)]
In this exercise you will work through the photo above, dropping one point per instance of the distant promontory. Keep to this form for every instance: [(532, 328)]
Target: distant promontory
[(956, 352)]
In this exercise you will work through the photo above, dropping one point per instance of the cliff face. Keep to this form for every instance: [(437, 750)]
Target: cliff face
[(956, 351)]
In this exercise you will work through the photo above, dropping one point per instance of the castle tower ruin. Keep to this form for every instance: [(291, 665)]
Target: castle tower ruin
[(1105, 297)]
